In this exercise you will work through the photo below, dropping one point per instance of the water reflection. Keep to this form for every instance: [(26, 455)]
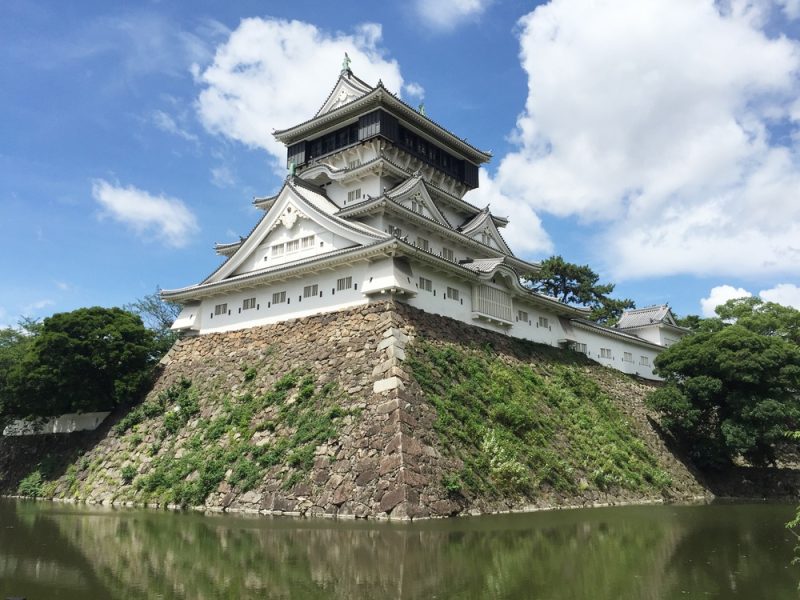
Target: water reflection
[(654, 552)]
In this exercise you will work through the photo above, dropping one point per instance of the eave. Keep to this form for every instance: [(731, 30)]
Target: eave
[(588, 325), (377, 98)]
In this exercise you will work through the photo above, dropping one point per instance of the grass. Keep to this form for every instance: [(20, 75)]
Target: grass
[(518, 428)]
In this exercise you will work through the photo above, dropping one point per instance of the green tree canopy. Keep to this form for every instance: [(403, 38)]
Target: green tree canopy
[(157, 316), (732, 388), (578, 284), (87, 359)]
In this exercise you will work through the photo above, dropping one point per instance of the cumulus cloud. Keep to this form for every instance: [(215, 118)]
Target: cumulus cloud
[(720, 295), (656, 122), (787, 294), (222, 176), (524, 232), (166, 218), (414, 90), (445, 15), (273, 74)]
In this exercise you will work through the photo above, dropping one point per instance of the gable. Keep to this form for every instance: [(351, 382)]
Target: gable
[(293, 229), (414, 196), (347, 89), (482, 229)]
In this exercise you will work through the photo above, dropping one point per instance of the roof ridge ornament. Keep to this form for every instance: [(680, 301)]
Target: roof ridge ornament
[(421, 109), (346, 65)]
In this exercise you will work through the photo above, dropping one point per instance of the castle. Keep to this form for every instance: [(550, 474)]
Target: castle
[(373, 208)]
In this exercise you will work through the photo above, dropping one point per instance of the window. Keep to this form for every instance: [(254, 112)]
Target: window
[(248, 303), (522, 316), (307, 242), (278, 250), (578, 347), (395, 231), (352, 164), (644, 360), (605, 352), (354, 195), (544, 322), (425, 284), (279, 297), (486, 238), (627, 357), (422, 244), (452, 293), (345, 283), (292, 246), (310, 291), (221, 309), (417, 206), (447, 253)]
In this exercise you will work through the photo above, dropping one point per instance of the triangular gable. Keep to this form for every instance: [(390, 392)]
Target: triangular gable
[(347, 88), (482, 229), (413, 194), (290, 207), (669, 318)]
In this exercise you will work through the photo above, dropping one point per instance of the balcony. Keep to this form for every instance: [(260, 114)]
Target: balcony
[(492, 304)]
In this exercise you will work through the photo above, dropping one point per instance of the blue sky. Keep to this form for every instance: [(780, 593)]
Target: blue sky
[(655, 140)]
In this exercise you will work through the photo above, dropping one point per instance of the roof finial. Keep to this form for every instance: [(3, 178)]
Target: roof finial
[(346, 64), (291, 168), (421, 108)]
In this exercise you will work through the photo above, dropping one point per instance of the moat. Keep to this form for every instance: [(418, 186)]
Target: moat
[(654, 552)]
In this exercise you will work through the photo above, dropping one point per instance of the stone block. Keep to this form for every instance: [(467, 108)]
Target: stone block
[(387, 407), (388, 384), (391, 499)]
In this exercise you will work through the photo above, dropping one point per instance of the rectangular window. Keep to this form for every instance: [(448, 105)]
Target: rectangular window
[(416, 206), (544, 322), (522, 316), (345, 283), (578, 347), (310, 291), (422, 244), (292, 246), (279, 297), (307, 242), (447, 253), (644, 360), (425, 284), (486, 238), (221, 309), (605, 352), (452, 293), (627, 356), (278, 250), (352, 164), (248, 303), (354, 195)]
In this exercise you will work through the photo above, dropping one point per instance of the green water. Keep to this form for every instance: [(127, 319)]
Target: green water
[(719, 551)]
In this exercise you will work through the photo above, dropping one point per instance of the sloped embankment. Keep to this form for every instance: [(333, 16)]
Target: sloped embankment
[(380, 411)]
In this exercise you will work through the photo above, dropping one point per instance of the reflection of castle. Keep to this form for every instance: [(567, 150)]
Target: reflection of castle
[(374, 208)]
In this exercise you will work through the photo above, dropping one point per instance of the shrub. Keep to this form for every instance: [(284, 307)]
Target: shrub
[(31, 485), (128, 473)]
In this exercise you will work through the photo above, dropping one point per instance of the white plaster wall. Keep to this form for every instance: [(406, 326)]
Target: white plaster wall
[(595, 341), (66, 423), (295, 307)]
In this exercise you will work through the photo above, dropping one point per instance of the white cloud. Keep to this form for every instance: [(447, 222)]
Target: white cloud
[(445, 15), (222, 176), (524, 232), (414, 90), (63, 286), (35, 307), (787, 294), (720, 295), (166, 123), (653, 122), (167, 218), (273, 74), (791, 8)]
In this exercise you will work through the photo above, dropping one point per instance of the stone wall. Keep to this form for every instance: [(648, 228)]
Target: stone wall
[(386, 460)]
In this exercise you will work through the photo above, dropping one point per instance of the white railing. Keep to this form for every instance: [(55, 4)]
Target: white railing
[(492, 302)]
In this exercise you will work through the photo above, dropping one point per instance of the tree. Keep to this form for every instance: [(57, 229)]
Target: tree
[(732, 389), (87, 359), (158, 316), (578, 284)]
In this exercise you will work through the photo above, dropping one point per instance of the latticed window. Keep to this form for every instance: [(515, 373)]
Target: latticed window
[(292, 246), (452, 294), (605, 352), (307, 242), (422, 244), (221, 309), (544, 322), (278, 250), (492, 302), (522, 316), (354, 195), (425, 284), (345, 283), (248, 303), (279, 297), (310, 291), (447, 253), (627, 356)]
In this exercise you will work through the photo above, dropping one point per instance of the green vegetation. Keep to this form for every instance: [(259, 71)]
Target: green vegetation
[(578, 284), (732, 387), (31, 485), (518, 428), (308, 415), (84, 360)]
